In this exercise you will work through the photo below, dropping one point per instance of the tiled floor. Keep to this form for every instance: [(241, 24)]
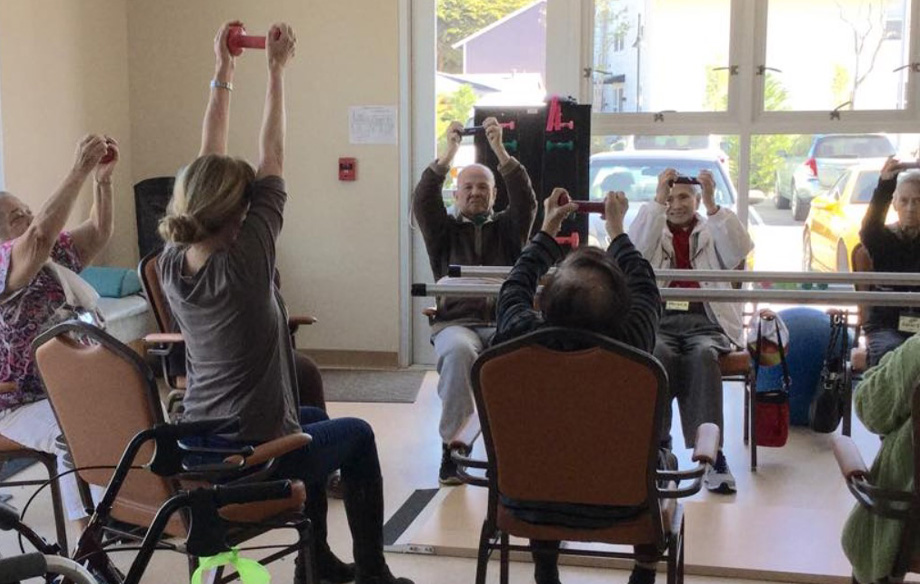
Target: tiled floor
[(782, 525)]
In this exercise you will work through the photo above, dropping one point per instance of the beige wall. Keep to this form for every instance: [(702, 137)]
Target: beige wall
[(63, 73), (71, 66), (339, 252)]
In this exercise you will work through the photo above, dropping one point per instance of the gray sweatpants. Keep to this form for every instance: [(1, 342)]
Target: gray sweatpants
[(689, 345), (457, 348)]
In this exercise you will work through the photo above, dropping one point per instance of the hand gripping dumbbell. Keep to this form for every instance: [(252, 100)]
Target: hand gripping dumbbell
[(237, 40)]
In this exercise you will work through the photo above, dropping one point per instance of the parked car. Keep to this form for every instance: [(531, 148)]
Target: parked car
[(833, 223), (696, 143), (807, 173), (636, 174)]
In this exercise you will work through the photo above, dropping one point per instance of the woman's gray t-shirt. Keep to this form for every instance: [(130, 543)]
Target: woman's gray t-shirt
[(234, 323)]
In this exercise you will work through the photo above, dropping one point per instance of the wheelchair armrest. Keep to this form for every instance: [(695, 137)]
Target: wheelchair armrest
[(163, 338), (848, 458), (707, 443), (270, 450), (297, 320)]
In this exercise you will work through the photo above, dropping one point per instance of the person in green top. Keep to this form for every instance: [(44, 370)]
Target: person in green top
[(883, 403)]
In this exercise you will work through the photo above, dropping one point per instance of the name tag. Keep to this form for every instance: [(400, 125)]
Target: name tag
[(909, 324), (684, 306)]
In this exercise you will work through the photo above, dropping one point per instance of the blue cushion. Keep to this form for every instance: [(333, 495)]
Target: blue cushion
[(112, 282)]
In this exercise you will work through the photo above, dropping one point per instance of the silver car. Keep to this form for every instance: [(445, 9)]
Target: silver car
[(804, 175)]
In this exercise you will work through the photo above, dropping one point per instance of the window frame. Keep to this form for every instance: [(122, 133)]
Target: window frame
[(745, 115)]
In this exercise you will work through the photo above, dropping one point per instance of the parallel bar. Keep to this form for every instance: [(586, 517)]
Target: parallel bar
[(842, 297), (891, 278)]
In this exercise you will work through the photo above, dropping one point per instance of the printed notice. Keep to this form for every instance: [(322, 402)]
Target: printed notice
[(372, 124)]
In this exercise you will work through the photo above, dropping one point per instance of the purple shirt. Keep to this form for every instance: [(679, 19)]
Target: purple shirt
[(23, 316)]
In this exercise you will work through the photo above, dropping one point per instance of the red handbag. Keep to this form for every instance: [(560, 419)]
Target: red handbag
[(771, 408), (771, 425)]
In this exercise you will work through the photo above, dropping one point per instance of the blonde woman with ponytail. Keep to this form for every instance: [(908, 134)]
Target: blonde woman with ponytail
[(217, 272)]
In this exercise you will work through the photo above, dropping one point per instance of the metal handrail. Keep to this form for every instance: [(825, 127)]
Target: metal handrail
[(838, 297), (885, 278)]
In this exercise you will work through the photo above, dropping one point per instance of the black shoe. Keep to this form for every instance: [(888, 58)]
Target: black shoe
[(332, 570), (447, 476), (641, 575), (385, 578), (334, 488)]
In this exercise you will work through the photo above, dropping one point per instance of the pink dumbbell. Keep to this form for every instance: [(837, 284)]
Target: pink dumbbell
[(572, 240), (237, 40)]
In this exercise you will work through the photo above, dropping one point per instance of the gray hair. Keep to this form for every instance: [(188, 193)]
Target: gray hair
[(909, 179)]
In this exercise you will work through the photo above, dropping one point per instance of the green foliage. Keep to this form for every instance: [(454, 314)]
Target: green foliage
[(764, 159), (840, 84), (458, 19), (453, 106)]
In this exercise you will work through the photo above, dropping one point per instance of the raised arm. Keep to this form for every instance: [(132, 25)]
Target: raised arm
[(93, 234), (280, 49), (873, 232), (428, 209), (515, 311), (32, 249), (216, 123), (641, 322)]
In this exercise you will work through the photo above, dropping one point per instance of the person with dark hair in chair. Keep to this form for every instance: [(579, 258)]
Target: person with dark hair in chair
[(613, 293)]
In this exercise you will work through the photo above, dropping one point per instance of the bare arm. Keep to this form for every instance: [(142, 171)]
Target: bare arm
[(216, 123), (32, 249), (92, 235), (280, 44)]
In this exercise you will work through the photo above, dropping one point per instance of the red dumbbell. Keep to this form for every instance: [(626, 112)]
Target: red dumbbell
[(583, 206), (237, 40), (572, 240), (476, 129)]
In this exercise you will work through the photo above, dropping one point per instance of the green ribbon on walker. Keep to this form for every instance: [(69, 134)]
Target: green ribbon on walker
[(250, 571)]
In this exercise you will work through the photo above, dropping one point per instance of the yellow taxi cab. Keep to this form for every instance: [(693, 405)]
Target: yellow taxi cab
[(835, 218)]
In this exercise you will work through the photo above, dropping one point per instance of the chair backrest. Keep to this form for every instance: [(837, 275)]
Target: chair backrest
[(575, 427), (102, 394), (151, 197), (150, 280)]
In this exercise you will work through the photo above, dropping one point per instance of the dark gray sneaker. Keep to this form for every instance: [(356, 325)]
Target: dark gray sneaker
[(447, 476), (719, 478)]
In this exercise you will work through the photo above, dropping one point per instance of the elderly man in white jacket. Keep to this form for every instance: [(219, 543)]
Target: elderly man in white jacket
[(672, 234)]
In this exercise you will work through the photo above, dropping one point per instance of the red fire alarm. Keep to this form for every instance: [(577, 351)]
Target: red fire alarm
[(348, 169)]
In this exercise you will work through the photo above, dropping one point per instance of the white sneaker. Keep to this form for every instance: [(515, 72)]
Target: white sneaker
[(718, 477)]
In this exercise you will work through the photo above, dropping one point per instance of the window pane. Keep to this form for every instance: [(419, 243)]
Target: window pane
[(853, 48), (813, 205), (651, 56), (488, 54), (632, 164)]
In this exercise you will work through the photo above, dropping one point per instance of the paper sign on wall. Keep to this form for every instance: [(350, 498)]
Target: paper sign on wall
[(372, 124)]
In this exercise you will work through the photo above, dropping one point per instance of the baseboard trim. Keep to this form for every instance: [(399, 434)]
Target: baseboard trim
[(353, 359)]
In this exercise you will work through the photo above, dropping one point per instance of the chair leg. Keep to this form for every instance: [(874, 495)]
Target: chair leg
[(747, 409), (752, 408), (680, 557), (482, 559), (50, 462), (305, 571), (503, 573)]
